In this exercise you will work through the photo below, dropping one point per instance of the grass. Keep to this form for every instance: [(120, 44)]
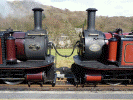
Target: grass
[(62, 61)]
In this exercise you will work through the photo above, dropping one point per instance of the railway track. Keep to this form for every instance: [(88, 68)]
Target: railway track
[(64, 85)]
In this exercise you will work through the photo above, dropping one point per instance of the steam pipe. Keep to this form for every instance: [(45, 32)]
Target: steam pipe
[(65, 55), (91, 18), (37, 18)]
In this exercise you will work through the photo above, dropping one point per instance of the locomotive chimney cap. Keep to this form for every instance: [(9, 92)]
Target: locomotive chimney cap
[(37, 9), (91, 9)]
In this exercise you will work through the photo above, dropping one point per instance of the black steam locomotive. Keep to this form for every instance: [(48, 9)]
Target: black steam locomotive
[(103, 57), (24, 55)]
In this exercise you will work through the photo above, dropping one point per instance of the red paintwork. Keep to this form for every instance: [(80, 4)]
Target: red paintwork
[(19, 44), (125, 33), (34, 67), (108, 36), (93, 78), (0, 53), (11, 50), (127, 53), (35, 77), (112, 50)]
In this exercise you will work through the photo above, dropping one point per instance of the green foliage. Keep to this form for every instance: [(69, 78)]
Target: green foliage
[(61, 61), (43, 16), (84, 24)]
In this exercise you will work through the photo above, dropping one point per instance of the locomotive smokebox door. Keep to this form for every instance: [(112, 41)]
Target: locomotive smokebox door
[(36, 43), (36, 48), (93, 40)]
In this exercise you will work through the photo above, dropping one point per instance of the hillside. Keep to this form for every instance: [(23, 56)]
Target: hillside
[(58, 21)]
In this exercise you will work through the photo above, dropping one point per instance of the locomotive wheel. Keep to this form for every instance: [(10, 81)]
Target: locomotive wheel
[(113, 82), (53, 84), (14, 82)]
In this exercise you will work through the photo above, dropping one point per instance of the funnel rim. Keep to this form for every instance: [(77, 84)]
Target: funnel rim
[(37, 9), (91, 9)]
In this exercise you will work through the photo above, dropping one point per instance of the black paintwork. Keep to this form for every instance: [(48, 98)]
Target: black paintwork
[(96, 65), (38, 18), (91, 40), (37, 46), (3, 47), (91, 18), (95, 42), (30, 63), (41, 44)]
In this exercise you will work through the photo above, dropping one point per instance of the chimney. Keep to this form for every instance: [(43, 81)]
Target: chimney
[(91, 18), (37, 19)]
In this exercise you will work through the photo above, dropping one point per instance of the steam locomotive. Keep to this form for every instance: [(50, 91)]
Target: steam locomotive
[(25, 56), (103, 57)]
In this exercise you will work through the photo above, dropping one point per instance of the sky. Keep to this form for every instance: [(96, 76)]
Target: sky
[(105, 7)]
